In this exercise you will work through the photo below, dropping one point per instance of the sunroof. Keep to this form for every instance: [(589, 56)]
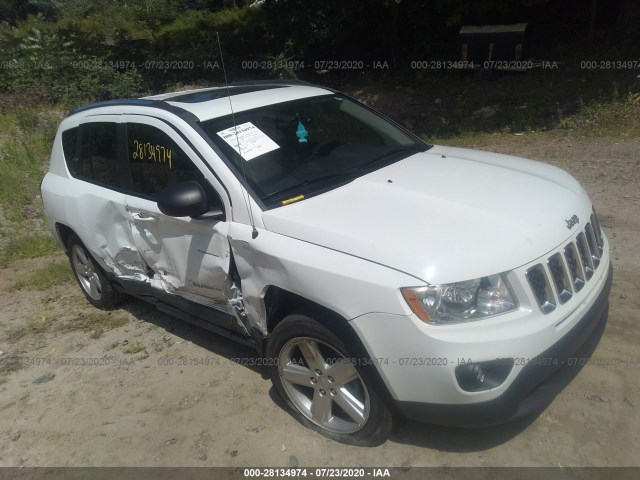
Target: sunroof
[(217, 93)]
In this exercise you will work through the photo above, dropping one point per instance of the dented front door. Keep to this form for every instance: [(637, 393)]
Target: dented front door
[(181, 256)]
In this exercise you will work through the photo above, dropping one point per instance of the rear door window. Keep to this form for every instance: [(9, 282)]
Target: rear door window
[(99, 154), (70, 150)]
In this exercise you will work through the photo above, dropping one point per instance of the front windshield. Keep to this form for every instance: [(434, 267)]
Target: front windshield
[(296, 149)]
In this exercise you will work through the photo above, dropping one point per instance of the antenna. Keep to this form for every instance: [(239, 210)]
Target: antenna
[(247, 200)]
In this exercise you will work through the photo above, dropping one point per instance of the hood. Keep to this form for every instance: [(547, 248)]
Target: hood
[(444, 215)]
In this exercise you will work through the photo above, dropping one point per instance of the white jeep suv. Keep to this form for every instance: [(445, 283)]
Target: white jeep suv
[(376, 274)]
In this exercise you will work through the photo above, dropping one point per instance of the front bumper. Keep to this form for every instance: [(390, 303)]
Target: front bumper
[(417, 362), (537, 383)]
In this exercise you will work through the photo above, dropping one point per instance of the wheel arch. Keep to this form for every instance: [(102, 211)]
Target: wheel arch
[(279, 303), (64, 233)]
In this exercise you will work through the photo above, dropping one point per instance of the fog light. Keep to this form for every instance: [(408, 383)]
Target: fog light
[(476, 377)]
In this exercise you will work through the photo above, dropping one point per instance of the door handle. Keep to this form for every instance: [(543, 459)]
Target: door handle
[(144, 217)]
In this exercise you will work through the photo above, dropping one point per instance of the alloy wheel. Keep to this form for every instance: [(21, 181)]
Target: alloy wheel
[(324, 385)]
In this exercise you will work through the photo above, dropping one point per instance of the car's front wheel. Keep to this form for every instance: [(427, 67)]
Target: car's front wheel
[(325, 387), (92, 280)]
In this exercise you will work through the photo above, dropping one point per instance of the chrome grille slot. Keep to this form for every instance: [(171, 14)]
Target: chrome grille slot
[(539, 283), (560, 277), (598, 233), (575, 268), (593, 247), (585, 255), (568, 269)]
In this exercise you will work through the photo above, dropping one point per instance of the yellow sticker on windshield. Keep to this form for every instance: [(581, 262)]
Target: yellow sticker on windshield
[(292, 200)]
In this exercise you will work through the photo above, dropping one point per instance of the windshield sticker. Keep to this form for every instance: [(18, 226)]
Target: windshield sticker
[(292, 200), (248, 140)]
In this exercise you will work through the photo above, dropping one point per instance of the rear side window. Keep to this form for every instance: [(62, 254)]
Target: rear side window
[(156, 161), (70, 150), (99, 153)]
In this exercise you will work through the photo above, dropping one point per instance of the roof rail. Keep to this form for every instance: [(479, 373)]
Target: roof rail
[(279, 81), (180, 112), (140, 102)]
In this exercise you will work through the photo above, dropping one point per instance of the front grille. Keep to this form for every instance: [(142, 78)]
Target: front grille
[(540, 286), (560, 277), (593, 248), (575, 269), (567, 271), (598, 232), (585, 255)]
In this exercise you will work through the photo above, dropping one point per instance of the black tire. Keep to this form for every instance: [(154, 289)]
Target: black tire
[(93, 282), (366, 420)]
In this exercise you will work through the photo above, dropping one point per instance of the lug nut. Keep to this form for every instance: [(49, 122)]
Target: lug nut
[(322, 392), (333, 392), (314, 380), (318, 371), (330, 378)]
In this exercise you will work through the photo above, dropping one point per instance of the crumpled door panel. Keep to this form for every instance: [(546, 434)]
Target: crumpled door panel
[(185, 257)]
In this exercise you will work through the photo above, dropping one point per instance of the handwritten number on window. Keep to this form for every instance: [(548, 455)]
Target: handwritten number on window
[(146, 151)]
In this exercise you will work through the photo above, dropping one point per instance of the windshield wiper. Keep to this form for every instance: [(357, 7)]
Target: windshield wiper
[(351, 173), (311, 181), (390, 154)]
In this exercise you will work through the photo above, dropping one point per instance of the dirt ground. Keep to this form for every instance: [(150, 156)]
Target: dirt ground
[(164, 393)]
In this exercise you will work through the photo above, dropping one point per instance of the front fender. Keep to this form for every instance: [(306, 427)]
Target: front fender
[(345, 284)]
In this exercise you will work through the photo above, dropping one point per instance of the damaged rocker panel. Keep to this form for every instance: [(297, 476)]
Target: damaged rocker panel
[(133, 275)]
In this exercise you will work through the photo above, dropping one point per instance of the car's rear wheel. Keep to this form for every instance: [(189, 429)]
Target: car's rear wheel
[(92, 280), (325, 387)]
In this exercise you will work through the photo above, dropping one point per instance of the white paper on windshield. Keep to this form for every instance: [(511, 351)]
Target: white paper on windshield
[(252, 141)]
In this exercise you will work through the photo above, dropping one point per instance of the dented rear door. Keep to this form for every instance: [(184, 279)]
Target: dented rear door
[(95, 199)]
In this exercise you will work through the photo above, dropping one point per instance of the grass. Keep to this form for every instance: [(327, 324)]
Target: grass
[(8, 365), (448, 104), (26, 142), (96, 323), (135, 348), (36, 326), (597, 120), (24, 246), (16, 333), (26, 138), (56, 273), (616, 118)]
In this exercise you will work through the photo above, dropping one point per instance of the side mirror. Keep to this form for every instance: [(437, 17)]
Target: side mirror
[(187, 199)]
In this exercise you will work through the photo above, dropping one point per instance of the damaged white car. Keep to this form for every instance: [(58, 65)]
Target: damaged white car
[(378, 275)]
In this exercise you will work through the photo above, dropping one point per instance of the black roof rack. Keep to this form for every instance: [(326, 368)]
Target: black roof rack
[(214, 93), (181, 112), (279, 81), (140, 102)]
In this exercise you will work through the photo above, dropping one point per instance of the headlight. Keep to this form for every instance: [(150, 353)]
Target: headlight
[(461, 301)]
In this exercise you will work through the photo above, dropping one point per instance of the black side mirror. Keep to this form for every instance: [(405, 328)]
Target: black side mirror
[(187, 199)]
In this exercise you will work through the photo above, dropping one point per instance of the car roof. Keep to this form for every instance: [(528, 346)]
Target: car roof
[(217, 101)]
